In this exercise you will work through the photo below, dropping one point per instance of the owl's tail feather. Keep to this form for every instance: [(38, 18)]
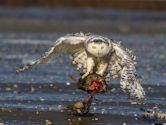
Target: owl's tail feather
[(45, 58)]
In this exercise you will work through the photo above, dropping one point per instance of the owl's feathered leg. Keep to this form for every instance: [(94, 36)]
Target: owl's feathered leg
[(90, 66), (101, 68), (41, 60)]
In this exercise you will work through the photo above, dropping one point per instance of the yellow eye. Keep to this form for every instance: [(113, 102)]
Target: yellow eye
[(94, 47), (102, 47)]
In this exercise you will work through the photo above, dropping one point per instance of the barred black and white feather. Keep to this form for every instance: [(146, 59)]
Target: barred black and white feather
[(122, 64), (68, 44)]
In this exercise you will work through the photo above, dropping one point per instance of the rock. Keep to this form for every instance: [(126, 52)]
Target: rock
[(80, 107), (48, 122)]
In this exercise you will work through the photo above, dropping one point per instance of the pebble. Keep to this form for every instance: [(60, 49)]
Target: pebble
[(8, 89), (41, 99), (48, 122), (59, 106), (68, 83), (37, 113), (103, 111), (69, 119), (134, 103), (32, 89), (51, 85), (79, 119), (96, 119), (15, 86)]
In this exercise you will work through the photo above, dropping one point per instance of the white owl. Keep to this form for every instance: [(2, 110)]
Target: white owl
[(97, 54)]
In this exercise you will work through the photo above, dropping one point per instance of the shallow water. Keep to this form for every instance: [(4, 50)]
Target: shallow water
[(44, 87)]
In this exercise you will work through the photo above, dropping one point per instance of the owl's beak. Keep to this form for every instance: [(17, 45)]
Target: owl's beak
[(98, 54)]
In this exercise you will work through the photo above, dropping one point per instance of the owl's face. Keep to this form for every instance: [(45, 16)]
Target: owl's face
[(99, 47)]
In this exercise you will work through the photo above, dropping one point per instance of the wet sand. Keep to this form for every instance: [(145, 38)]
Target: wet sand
[(20, 107), (59, 118)]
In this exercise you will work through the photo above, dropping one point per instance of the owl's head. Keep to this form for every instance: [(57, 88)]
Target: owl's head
[(98, 46)]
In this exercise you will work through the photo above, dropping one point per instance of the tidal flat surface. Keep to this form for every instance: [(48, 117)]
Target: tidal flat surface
[(38, 96)]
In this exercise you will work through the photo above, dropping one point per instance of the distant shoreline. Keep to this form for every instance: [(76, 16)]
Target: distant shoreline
[(159, 5), (85, 20)]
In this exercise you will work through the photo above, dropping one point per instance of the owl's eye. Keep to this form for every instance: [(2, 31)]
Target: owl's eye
[(102, 47), (94, 47)]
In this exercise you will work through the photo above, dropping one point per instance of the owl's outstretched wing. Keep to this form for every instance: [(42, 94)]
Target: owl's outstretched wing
[(122, 64), (69, 44)]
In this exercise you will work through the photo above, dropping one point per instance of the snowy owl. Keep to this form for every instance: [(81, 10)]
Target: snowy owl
[(97, 54)]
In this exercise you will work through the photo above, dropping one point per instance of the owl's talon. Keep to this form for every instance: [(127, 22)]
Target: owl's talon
[(85, 75)]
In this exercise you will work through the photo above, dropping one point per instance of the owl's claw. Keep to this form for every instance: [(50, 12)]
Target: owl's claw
[(85, 75)]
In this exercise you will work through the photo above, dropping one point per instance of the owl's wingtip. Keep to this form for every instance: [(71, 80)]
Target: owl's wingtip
[(19, 70)]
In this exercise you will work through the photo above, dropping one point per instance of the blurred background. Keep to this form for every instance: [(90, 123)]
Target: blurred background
[(29, 27), (116, 4), (126, 16)]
